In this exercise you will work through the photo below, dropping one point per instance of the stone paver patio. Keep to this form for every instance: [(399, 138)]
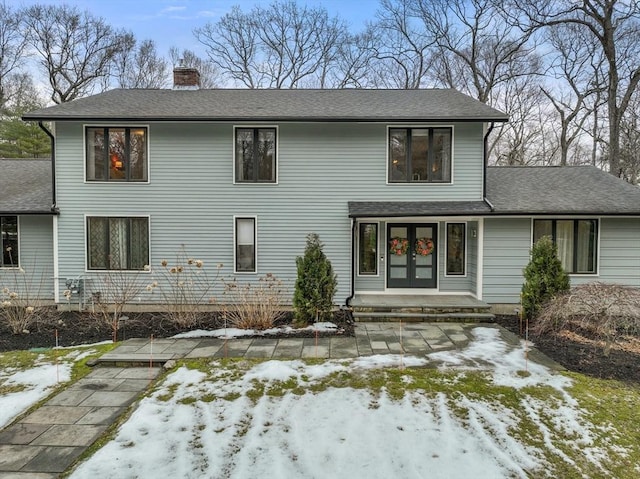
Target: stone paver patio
[(46, 442)]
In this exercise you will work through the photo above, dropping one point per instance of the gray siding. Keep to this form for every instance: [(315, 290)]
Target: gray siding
[(191, 198), (619, 253), (35, 276), (506, 252)]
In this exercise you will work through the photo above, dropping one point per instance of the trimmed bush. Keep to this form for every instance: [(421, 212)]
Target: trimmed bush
[(315, 285), (544, 277)]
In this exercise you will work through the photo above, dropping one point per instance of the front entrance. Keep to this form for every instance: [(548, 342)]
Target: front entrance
[(412, 255)]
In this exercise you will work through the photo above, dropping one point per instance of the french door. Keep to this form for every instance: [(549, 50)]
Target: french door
[(412, 255)]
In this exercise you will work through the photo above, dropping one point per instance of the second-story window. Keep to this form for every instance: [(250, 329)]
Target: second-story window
[(255, 155), (116, 154), (421, 155)]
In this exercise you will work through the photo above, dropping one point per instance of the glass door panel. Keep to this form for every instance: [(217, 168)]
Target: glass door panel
[(412, 256)]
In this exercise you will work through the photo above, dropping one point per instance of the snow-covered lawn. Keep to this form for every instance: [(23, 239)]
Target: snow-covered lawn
[(475, 413), (27, 378)]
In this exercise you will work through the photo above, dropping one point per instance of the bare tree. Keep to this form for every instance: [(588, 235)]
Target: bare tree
[(209, 74), (478, 49), (630, 142), (527, 139), (283, 45), (12, 49), (577, 65), (75, 49), (402, 51), (613, 25), (141, 67)]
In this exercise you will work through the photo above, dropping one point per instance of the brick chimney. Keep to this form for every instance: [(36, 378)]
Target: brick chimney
[(186, 78)]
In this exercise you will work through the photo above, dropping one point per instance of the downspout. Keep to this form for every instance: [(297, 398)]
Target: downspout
[(53, 165), (353, 262), (486, 165)]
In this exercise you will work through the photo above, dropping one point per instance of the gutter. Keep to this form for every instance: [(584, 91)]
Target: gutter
[(353, 263), (54, 207), (486, 165)]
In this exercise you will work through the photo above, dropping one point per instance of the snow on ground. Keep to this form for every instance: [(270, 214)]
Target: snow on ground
[(209, 424), (228, 333), (33, 384)]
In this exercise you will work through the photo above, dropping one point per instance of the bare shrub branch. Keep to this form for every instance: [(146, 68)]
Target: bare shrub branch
[(606, 311), (256, 306)]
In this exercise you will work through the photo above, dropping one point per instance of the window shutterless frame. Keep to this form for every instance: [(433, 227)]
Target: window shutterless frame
[(116, 153), (9, 242), (368, 248), (245, 244), (544, 226), (456, 250), (255, 154), (117, 243), (420, 154)]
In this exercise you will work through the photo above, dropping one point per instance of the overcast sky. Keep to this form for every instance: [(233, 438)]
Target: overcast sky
[(171, 22)]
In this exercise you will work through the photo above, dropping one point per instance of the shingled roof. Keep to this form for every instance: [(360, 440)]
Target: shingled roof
[(273, 105), (569, 190), (557, 191), (25, 187)]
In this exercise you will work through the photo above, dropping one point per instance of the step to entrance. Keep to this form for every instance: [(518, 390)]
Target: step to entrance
[(415, 308), (458, 317)]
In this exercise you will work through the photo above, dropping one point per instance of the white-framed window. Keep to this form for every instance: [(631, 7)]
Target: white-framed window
[(456, 249), (117, 243), (368, 249), (420, 154), (9, 257), (245, 241), (117, 153), (576, 240), (255, 155)]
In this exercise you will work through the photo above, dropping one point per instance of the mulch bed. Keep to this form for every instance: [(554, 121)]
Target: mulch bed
[(579, 351), (74, 328)]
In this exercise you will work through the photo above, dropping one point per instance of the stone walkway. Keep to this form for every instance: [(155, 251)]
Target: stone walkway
[(50, 439), (370, 338), (47, 441)]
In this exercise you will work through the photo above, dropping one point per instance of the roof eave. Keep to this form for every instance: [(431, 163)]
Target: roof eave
[(465, 119)]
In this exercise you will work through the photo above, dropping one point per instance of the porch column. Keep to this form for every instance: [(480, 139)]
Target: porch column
[(480, 256)]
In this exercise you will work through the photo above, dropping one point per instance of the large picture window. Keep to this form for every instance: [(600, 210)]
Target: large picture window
[(9, 241), (368, 244), (577, 242), (456, 261), (117, 243), (116, 154), (255, 155), (245, 251), (421, 155)]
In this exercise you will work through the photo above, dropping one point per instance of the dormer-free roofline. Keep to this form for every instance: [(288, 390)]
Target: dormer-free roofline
[(300, 105)]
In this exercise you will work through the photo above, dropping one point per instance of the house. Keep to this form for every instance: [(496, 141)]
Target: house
[(26, 227), (395, 182)]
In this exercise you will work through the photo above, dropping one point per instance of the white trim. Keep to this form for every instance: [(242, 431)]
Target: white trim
[(56, 261), (421, 125), (413, 292), (277, 153), (446, 248), (115, 215), (255, 243), (377, 275), (480, 259), (112, 125)]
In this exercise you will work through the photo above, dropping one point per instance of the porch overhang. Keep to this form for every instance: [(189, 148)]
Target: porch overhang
[(397, 209)]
